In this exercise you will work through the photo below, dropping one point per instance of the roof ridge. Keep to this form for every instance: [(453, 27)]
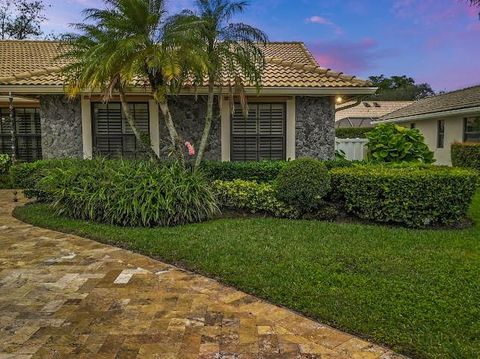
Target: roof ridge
[(309, 54), (313, 69), (32, 40), (451, 92)]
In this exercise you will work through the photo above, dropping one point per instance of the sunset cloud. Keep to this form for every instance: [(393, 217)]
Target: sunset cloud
[(320, 20)]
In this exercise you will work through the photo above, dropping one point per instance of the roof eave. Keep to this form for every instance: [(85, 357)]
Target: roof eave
[(432, 115), (307, 91)]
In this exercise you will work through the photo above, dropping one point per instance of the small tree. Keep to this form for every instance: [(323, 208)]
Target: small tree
[(21, 19), (232, 52), (393, 143)]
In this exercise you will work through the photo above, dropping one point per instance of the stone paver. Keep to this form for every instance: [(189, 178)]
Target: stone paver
[(63, 296)]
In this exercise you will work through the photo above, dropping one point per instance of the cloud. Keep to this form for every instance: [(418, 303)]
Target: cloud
[(320, 20), (349, 56)]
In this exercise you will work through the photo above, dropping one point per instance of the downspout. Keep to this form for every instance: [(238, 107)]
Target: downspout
[(13, 128)]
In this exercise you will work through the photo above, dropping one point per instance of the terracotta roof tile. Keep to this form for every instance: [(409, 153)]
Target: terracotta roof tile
[(370, 109), (289, 64)]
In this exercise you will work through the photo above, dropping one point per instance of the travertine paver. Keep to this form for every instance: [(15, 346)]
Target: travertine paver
[(63, 296)]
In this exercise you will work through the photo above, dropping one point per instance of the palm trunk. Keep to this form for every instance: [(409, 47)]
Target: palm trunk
[(138, 135), (175, 139), (208, 125)]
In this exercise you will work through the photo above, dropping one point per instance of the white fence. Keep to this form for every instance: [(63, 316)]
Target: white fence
[(355, 149)]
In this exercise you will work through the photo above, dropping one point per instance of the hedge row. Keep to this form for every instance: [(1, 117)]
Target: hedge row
[(416, 197), (260, 171), (352, 132), (466, 155)]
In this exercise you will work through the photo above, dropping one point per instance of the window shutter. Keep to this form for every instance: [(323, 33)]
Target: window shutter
[(261, 136)]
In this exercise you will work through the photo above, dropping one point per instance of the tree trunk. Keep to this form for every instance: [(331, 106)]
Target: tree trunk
[(208, 125), (138, 135), (177, 145)]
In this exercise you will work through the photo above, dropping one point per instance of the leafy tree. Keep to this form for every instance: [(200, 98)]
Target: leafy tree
[(21, 19), (399, 88), (394, 143), (232, 52), (131, 41)]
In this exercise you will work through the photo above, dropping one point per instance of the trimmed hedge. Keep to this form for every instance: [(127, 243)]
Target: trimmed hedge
[(466, 155), (260, 171), (303, 183), (352, 132), (252, 196), (415, 197)]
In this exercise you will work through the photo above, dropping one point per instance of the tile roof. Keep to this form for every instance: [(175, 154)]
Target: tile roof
[(456, 100), (289, 64), (369, 109)]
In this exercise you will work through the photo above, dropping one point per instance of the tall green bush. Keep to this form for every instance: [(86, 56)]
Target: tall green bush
[(393, 143), (466, 155), (129, 193), (303, 183), (411, 196)]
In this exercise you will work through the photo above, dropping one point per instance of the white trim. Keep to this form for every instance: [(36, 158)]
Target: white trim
[(87, 136), (309, 91), (225, 129), (290, 146), (463, 111), (154, 119)]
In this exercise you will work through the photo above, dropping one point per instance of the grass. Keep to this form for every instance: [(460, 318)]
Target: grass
[(416, 291)]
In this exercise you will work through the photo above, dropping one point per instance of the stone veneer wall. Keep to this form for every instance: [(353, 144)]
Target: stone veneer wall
[(61, 126), (189, 116), (315, 127)]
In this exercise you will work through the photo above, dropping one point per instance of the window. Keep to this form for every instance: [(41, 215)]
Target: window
[(440, 133), (27, 133), (260, 136), (113, 136), (472, 130), (413, 125)]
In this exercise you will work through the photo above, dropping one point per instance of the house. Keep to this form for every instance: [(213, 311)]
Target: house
[(292, 116), (443, 120), (365, 113)]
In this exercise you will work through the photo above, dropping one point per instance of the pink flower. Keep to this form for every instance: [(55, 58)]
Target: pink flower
[(191, 150)]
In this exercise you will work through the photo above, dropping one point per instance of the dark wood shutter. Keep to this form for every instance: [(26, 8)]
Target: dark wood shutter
[(27, 130), (113, 136), (261, 135)]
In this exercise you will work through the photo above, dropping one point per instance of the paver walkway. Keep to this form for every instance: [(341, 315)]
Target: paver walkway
[(64, 296)]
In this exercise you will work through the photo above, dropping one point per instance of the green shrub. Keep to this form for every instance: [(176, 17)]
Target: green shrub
[(303, 184), (393, 143), (415, 196), (352, 132), (466, 155), (5, 178), (259, 171), (27, 175), (129, 193), (252, 196)]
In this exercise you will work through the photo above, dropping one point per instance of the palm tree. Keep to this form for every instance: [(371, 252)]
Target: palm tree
[(232, 51), (129, 42)]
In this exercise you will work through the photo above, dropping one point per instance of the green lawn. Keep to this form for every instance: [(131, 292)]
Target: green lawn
[(416, 291)]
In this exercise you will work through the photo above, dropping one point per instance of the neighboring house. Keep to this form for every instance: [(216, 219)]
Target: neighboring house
[(365, 113), (293, 116), (443, 119)]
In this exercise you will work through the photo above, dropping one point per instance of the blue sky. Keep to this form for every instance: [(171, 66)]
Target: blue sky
[(435, 41)]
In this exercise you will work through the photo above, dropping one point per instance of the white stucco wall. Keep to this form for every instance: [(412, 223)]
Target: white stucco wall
[(453, 133)]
